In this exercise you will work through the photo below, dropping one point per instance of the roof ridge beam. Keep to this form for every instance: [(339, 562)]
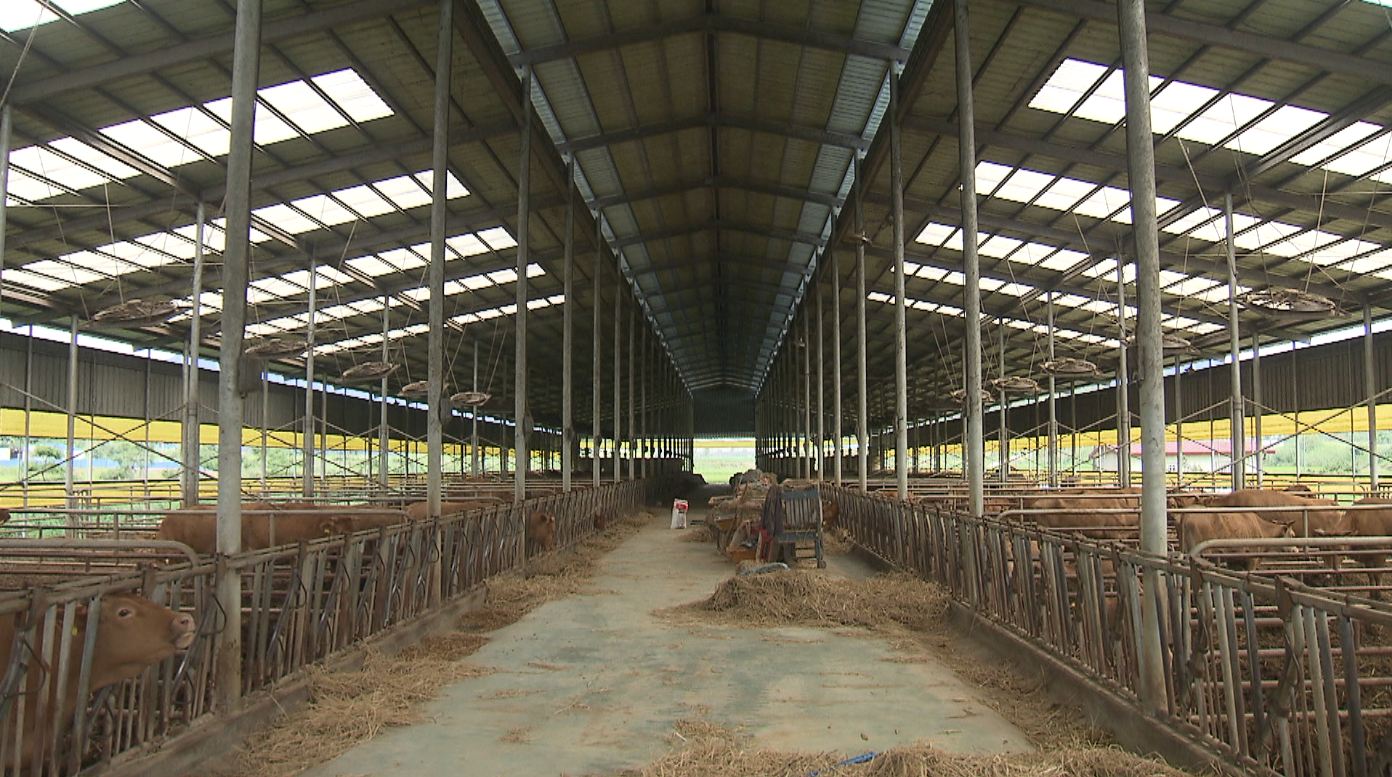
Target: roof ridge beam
[(718, 182), (712, 23)]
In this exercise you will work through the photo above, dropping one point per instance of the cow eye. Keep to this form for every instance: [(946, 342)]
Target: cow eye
[(124, 612)]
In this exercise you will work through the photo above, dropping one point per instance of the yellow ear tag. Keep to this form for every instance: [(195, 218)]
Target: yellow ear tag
[(74, 631)]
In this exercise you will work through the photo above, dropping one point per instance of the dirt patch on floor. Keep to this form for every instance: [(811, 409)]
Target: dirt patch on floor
[(703, 749), (911, 614), (347, 708)]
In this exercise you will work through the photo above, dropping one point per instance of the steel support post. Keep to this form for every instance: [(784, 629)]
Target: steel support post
[(974, 451), (618, 374), (265, 431), (1002, 433), (475, 455), (838, 436), (383, 427), (805, 463), (69, 465), (246, 61), (901, 370), (519, 381), (439, 216), (596, 338), (1123, 395), (6, 140), (568, 333), (1140, 153), (1053, 399), (1369, 389), (192, 373), (862, 401), (307, 443), (1236, 410), (1179, 425), (632, 364), (821, 380), (644, 353), (1257, 409)]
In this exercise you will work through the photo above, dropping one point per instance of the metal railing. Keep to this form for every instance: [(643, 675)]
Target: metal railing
[(300, 604), (1269, 674)]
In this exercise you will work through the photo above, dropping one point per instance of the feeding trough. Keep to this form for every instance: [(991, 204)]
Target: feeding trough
[(1069, 367), (1016, 384), (1287, 302), (960, 395), (136, 312), (470, 398), (367, 371), (275, 348)]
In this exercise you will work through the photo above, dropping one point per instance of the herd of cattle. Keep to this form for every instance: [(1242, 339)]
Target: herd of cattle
[(1197, 517)]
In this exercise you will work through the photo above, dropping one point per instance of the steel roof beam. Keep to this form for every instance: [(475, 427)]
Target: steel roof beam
[(721, 225), (712, 23), (275, 30), (1319, 59), (795, 131), (717, 182)]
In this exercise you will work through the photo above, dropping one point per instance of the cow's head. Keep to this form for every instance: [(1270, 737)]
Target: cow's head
[(133, 633)]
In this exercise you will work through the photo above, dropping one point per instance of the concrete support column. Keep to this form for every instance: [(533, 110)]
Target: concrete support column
[(1257, 408), (1140, 153), (862, 409), (618, 375), (568, 436), (69, 473), (521, 414), (1237, 414), (1370, 389), (836, 424), (1053, 400), (307, 443), (192, 374), (901, 376), (821, 380), (1123, 378), (246, 61), (596, 338), (975, 450), (384, 426)]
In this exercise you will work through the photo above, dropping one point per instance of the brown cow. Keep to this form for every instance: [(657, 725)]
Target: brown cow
[(1298, 488), (600, 520), (4, 514), (1325, 517), (132, 634), (419, 511), (1195, 528), (1081, 513), (540, 533), (197, 527)]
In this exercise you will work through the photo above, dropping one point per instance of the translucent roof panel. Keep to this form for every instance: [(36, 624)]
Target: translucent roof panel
[(23, 14), (1200, 113)]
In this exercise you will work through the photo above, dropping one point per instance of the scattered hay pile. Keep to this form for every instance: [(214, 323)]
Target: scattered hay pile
[(697, 533), (813, 599), (349, 707), (702, 749)]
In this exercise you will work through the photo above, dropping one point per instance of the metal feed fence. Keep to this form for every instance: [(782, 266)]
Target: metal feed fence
[(300, 604), (1267, 673)]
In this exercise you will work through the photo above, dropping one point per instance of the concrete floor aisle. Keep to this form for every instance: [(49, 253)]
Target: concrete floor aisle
[(592, 684)]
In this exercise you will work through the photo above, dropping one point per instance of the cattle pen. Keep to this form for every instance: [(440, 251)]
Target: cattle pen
[(338, 332)]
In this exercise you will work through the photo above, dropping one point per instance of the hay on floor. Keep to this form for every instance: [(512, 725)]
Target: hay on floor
[(811, 598), (703, 749), (349, 707), (697, 533)]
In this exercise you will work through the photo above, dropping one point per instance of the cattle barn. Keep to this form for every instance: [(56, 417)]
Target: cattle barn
[(695, 387)]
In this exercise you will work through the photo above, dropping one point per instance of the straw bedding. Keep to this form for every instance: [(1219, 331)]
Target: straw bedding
[(703, 749), (349, 707)]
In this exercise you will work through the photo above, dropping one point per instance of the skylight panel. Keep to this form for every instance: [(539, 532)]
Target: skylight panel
[(23, 14), (466, 245), (1224, 117), (1252, 236), (302, 105), (42, 162), (1369, 263), (1065, 193), (404, 192), (1023, 185), (150, 143), (453, 188), (1339, 252), (33, 280), (1192, 221), (1302, 243), (498, 238), (1104, 203), (1368, 156), (364, 201), (1190, 287), (503, 276), (198, 129), (404, 258), (1351, 135), (989, 175), (325, 209), (933, 274), (371, 265), (1108, 103), (1283, 124), (92, 261), (352, 94), (1219, 293), (61, 271), (1063, 259), (1068, 83), (284, 217), (534, 270), (1173, 104), (476, 282), (936, 234)]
